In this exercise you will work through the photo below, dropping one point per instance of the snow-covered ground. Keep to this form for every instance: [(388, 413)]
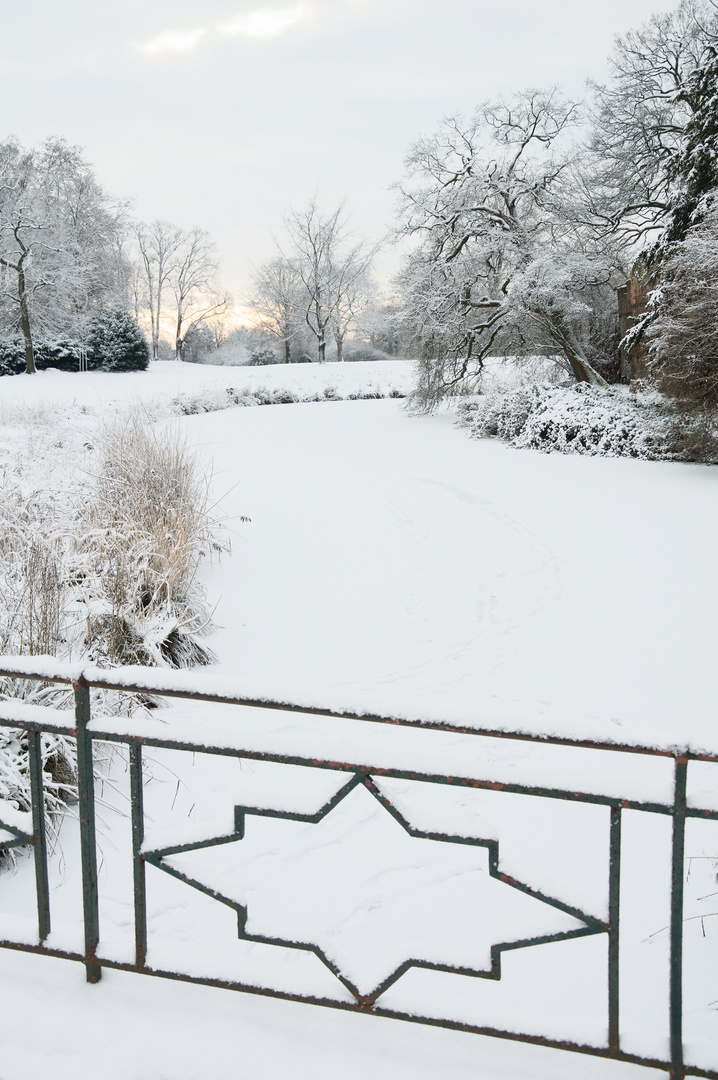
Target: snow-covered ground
[(393, 565)]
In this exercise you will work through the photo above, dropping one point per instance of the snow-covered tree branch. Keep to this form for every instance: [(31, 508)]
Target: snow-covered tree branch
[(501, 264)]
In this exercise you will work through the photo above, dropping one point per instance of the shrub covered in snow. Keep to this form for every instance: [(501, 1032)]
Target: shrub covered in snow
[(356, 351), (60, 353), (581, 419), (116, 343), (228, 354), (212, 399), (262, 357)]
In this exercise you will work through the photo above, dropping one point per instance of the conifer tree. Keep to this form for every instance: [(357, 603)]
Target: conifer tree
[(115, 342)]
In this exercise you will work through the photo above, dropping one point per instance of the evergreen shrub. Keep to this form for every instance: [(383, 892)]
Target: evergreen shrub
[(115, 342), (262, 357)]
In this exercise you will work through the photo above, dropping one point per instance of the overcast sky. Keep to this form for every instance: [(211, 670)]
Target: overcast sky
[(223, 113)]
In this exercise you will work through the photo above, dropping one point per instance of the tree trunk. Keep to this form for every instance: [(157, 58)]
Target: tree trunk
[(178, 336), (322, 347), (156, 335), (583, 370), (25, 322), (564, 337), (287, 352), (154, 326), (340, 344)]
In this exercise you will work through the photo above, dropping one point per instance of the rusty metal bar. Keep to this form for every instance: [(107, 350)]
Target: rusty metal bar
[(138, 863), (677, 873), (34, 748), (348, 1006), (375, 770), (86, 793), (398, 774), (614, 911), (399, 721)]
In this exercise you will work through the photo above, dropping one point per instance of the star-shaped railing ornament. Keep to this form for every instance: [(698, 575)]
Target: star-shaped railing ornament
[(371, 902)]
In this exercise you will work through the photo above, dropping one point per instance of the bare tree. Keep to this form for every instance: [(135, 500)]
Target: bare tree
[(331, 271), (501, 265), (192, 281), (683, 338), (351, 291), (639, 118), (208, 318), (20, 231), (277, 302), (158, 243)]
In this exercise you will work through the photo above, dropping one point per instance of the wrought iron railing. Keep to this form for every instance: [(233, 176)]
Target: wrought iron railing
[(34, 721)]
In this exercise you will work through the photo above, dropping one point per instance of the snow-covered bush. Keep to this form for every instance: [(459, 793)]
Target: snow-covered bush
[(356, 351), (59, 353), (228, 354), (212, 399), (115, 342), (262, 357), (581, 419)]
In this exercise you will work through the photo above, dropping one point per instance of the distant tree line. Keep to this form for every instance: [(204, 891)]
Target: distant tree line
[(79, 277), (521, 222)]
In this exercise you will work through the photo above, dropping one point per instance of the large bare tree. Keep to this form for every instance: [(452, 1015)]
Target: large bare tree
[(639, 117), (276, 300), (331, 270), (193, 283), (158, 245)]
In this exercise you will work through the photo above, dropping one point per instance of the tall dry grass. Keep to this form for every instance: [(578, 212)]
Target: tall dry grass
[(150, 528), (105, 567)]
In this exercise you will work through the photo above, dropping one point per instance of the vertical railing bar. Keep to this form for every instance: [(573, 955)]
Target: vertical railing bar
[(677, 873), (42, 888), (614, 909), (86, 792), (138, 863)]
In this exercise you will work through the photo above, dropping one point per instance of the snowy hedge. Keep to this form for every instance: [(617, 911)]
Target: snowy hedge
[(61, 354), (580, 419), (115, 342)]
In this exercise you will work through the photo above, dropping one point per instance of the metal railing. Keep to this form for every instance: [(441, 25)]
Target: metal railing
[(31, 720)]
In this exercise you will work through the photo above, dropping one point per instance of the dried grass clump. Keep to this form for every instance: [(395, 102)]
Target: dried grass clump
[(32, 587), (100, 563), (150, 528)]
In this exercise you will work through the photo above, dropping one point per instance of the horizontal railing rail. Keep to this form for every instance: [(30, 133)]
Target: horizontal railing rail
[(33, 721)]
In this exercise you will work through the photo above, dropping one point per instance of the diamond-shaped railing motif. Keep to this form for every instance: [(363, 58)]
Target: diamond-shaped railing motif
[(369, 894)]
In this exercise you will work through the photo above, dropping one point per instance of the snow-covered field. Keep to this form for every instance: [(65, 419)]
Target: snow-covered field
[(393, 565)]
